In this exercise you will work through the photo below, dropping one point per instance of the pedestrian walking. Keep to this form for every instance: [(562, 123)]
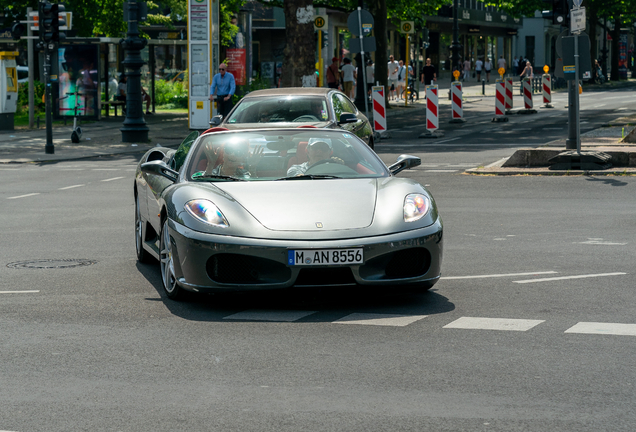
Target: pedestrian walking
[(515, 66), (466, 70), (488, 68), (333, 75), (478, 65), (392, 67), (370, 71), (501, 63), (349, 75), (429, 73), (222, 89), (522, 65), (401, 81)]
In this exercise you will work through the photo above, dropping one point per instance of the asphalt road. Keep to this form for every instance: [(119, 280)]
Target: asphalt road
[(532, 328)]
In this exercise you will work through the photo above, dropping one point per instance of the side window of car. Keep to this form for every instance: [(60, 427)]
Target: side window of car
[(347, 105), (337, 106)]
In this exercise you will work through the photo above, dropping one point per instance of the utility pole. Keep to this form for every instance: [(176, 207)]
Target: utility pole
[(31, 72)]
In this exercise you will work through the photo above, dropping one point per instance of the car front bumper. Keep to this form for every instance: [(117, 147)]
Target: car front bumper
[(209, 262)]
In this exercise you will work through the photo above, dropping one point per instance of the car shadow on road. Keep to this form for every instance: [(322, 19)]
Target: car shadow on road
[(607, 181), (326, 304)]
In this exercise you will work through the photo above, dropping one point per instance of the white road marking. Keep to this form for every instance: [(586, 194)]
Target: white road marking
[(111, 179), (380, 319), (599, 241), (71, 187), (570, 277), (440, 170), (497, 275), (603, 328), (105, 169), (24, 196), (269, 315), (493, 324), (19, 292)]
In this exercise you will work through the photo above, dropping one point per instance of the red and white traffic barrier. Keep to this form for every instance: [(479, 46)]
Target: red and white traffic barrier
[(546, 83), (432, 114), (457, 103), (509, 101), (432, 119), (527, 93), (379, 109), (500, 101)]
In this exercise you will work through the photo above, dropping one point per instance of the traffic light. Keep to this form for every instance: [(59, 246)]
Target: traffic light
[(16, 31), (49, 22), (559, 11), (58, 22)]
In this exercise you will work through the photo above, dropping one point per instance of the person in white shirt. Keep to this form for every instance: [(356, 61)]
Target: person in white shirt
[(466, 69), (392, 67), (501, 63), (349, 76), (478, 66), (488, 68), (370, 71)]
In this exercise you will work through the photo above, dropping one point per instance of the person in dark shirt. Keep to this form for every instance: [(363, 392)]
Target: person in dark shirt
[(429, 73)]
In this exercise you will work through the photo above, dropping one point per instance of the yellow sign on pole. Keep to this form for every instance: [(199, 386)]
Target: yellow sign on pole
[(501, 71), (407, 27), (320, 22)]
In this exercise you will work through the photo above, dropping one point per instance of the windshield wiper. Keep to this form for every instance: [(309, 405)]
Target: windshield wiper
[(310, 177), (217, 176)]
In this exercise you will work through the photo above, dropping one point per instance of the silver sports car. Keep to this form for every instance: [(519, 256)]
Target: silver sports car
[(276, 208)]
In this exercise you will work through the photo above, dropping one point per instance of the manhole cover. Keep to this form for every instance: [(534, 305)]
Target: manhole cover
[(51, 263)]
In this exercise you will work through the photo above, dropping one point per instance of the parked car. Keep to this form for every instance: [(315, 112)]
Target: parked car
[(279, 208), (23, 74), (292, 107)]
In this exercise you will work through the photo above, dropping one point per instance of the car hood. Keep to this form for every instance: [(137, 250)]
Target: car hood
[(277, 125), (307, 205)]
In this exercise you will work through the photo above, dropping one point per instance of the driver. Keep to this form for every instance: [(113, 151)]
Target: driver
[(237, 160), (317, 151)]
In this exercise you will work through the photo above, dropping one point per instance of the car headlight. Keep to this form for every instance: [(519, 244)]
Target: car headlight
[(206, 212), (416, 206)]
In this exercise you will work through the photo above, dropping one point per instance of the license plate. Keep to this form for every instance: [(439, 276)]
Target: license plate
[(325, 256)]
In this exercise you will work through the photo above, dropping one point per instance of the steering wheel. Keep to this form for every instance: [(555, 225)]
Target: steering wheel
[(306, 117), (329, 166), (324, 161)]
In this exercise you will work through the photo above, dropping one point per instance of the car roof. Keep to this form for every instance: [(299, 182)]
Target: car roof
[(291, 91)]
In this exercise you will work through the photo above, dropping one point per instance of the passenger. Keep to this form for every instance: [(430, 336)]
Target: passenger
[(317, 151), (237, 160)]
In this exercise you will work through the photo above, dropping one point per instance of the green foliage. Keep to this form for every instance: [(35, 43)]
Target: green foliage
[(171, 94), (23, 97)]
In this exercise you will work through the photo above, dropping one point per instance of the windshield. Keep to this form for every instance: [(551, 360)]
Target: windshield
[(281, 154), (280, 109)]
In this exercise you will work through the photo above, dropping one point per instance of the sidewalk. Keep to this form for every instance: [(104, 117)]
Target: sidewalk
[(102, 138)]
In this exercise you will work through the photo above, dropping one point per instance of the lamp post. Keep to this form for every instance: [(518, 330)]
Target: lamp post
[(455, 46), (134, 129)]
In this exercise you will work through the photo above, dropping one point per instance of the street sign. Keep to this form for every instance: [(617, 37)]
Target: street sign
[(577, 3), (407, 27), (365, 21), (577, 20), (368, 45), (585, 60), (320, 22)]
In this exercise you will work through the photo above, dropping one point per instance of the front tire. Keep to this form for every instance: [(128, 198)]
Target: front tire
[(142, 255), (166, 261)]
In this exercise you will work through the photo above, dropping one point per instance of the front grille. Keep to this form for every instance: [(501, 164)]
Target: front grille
[(246, 270), (325, 276), (408, 263)]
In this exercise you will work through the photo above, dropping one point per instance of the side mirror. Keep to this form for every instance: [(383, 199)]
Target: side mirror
[(216, 120), (405, 162), (347, 118), (159, 167)]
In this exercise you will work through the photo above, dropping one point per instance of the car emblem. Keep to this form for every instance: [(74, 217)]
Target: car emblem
[(318, 224)]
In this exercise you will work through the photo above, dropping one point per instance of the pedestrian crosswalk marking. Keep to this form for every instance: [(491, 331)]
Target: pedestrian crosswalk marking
[(269, 315), (603, 328), (380, 319), (493, 324)]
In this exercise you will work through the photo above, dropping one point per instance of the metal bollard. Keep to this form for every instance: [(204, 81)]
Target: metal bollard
[(483, 87), (38, 122)]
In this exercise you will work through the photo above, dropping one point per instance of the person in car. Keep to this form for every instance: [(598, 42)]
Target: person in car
[(237, 160), (317, 151)]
